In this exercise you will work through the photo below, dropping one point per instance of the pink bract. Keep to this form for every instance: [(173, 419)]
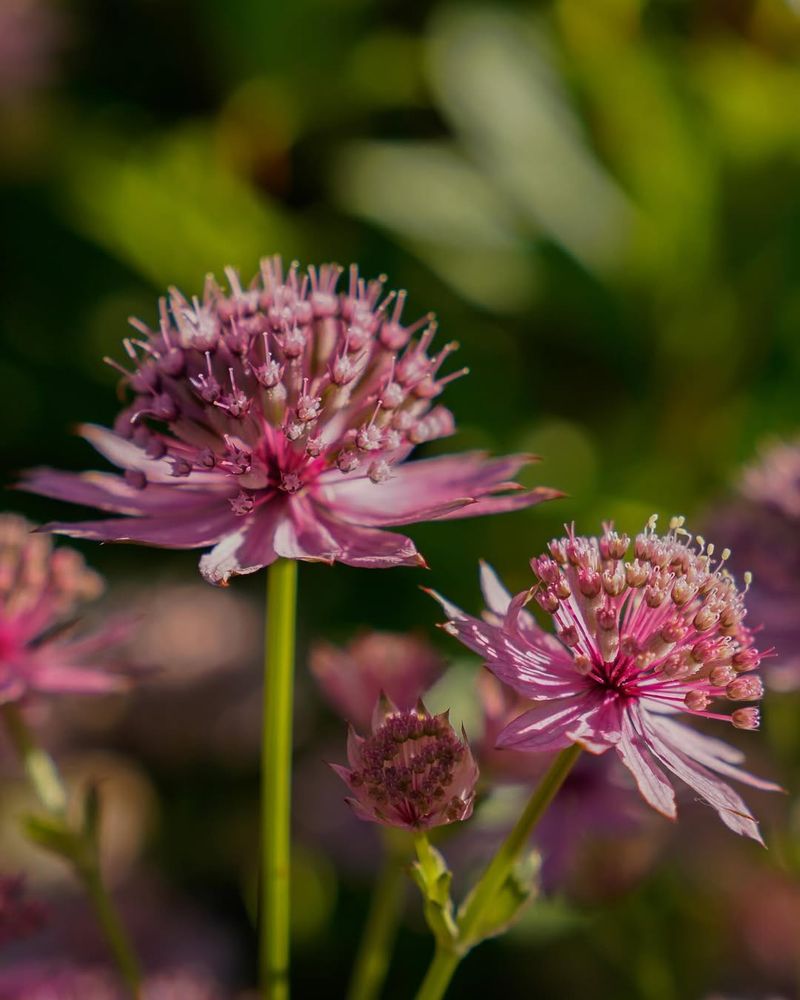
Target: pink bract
[(352, 678), (275, 421), (40, 590), (411, 772), (638, 642)]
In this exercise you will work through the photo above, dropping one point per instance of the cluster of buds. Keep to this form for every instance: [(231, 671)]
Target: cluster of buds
[(665, 621), (411, 772), (276, 383)]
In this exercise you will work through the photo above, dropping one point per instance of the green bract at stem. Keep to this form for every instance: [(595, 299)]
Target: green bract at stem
[(77, 845), (375, 951), (448, 954), (276, 778)]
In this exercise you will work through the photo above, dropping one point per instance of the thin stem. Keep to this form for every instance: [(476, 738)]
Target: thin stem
[(445, 960), (49, 788), (276, 778), (375, 951)]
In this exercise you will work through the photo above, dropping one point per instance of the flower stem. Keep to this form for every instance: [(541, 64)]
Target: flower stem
[(276, 778), (375, 951), (48, 786), (446, 959)]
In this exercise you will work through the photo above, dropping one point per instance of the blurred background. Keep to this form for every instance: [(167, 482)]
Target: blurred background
[(601, 203)]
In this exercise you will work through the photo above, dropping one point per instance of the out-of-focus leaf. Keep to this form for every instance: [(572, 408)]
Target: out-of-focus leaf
[(509, 903), (494, 76), (54, 835), (445, 211), (170, 208)]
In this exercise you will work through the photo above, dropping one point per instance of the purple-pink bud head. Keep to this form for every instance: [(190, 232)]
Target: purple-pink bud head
[(411, 772), (275, 421), (41, 588), (352, 678)]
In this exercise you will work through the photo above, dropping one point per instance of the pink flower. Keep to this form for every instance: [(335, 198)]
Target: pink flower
[(638, 642), (412, 771), (352, 679), (40, 589), (275, 421), (19, 916)]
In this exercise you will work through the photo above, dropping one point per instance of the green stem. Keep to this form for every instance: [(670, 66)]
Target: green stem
[(49, 788), (375, 951), (276, 778), (445, 960)]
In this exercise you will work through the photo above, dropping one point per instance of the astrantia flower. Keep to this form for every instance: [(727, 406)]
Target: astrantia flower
[(637, 643), (40, 590), (352, 678), (275, 421), (412, 771)]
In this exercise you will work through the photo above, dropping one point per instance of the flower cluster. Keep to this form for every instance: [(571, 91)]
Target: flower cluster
[(40, 590), (638, 640), (352, 679), (275, 420), (412, 771)]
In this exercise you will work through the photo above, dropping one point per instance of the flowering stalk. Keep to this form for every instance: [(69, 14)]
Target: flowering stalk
[(447, 956), (48, 786), (375, 951), (276, 778)]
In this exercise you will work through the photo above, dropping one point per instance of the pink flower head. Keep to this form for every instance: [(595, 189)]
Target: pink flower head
[(275, 421), (40, 589), (637, 643), (412, 771), (774, 481), (19, 916), (352, 679)]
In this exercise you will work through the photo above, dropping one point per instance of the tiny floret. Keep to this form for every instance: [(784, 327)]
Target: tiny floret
[(411, 772)]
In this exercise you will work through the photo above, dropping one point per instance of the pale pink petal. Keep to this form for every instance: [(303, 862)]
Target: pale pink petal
[(503, 505), (494, 593), (729, 804), (301, 535), (371, 547), (198, 527), (112, 493), (544, 727), (73, 679), (433, 488), (126, 455), (247, 549), (650, 779), (536, 673), (715, 754)]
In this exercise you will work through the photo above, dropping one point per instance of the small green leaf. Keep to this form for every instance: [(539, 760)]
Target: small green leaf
[(434, 879), (91, 815), (55, 836), (509, 903)]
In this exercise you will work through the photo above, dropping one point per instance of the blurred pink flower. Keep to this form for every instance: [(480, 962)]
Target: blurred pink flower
[(40, 589), (762, 526), (31, 34), (401, 666), (275, 421), (62, 980), (19, 916), (638, 642), (411, 772)]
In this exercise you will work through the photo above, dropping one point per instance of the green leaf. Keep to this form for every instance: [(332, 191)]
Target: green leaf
[(434, 879), (509, 903), (91, 815), (55, 836)]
